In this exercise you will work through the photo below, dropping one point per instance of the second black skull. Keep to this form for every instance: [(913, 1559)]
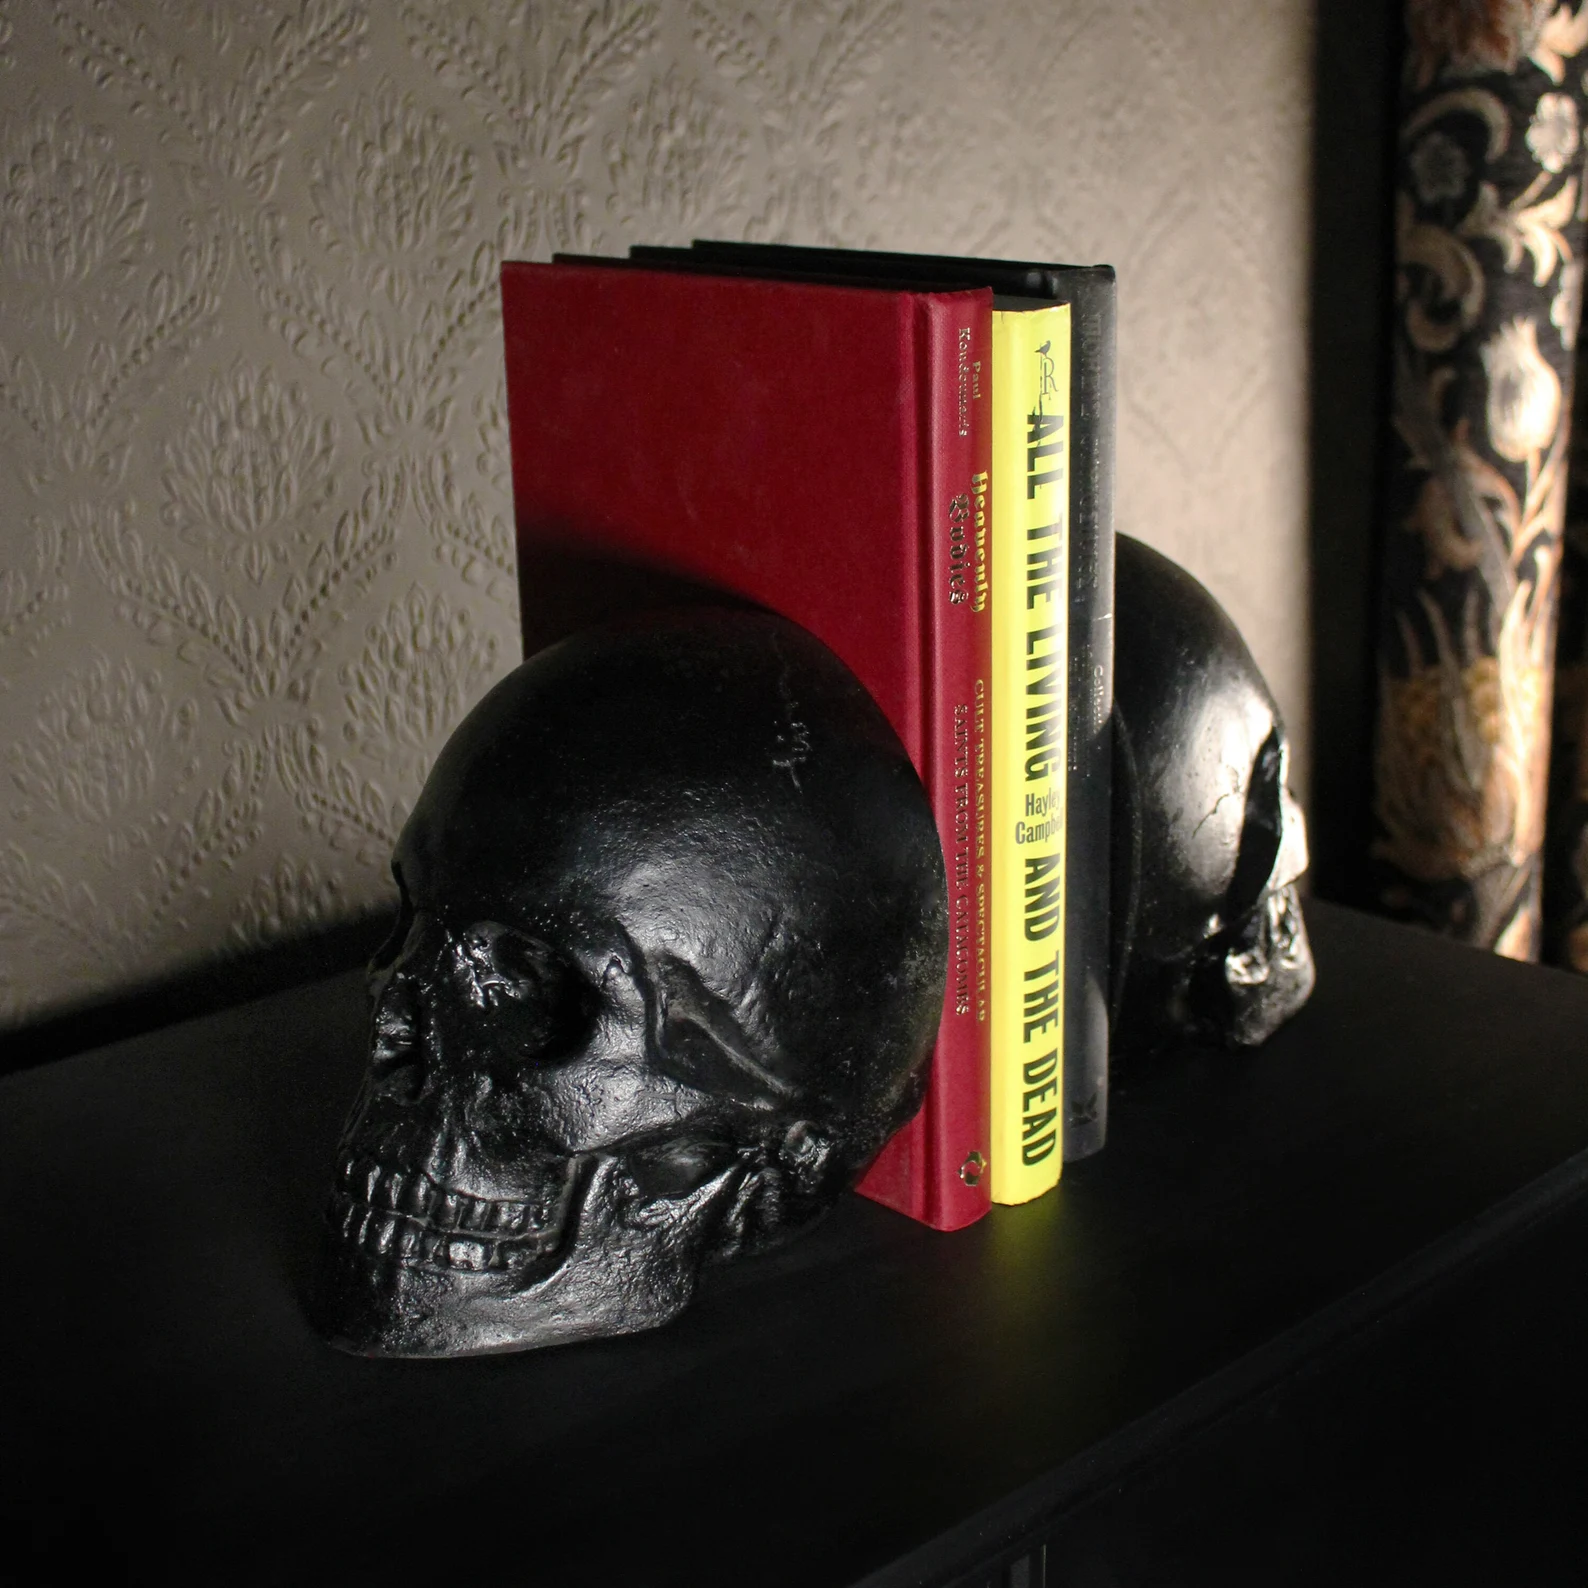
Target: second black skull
[(1209, 940)]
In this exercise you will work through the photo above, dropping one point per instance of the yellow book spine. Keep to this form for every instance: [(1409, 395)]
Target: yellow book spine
[(1030, 666)]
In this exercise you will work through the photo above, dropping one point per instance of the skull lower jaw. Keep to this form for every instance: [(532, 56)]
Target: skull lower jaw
[(380, 1308), (614, 1264), (391, 1285)]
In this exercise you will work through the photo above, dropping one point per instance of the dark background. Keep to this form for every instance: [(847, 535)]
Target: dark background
[(1357, 73)]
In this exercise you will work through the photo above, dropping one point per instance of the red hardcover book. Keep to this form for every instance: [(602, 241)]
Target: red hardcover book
[(820, 450)]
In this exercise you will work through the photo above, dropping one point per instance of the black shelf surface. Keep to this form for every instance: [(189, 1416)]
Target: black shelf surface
[(876, 1402)]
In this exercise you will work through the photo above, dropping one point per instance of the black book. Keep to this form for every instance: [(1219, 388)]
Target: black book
[(1090, 291)]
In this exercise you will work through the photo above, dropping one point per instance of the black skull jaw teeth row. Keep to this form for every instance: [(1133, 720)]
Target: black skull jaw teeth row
[(403, 1215)]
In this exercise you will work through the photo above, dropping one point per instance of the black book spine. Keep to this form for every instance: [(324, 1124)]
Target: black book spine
[(1092, 297)]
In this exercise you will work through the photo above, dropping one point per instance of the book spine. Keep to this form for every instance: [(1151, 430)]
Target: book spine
[(1087, 932), (1030, 693), (935, 1169)]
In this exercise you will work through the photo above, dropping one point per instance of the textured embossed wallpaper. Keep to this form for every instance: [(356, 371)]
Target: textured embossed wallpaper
[(254, 511)]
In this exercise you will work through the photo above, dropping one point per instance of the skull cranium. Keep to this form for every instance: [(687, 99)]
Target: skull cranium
[(668, 968)]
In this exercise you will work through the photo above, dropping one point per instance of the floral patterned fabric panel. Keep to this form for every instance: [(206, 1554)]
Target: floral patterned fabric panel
[(1488, 239)]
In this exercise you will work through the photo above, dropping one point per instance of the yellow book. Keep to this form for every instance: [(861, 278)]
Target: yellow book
[(1030, 665)]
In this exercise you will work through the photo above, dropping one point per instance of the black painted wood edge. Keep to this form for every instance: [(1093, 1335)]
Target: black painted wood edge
[(973, 1553)]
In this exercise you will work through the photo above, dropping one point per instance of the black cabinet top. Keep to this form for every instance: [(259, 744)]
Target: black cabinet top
[(877, 1399)]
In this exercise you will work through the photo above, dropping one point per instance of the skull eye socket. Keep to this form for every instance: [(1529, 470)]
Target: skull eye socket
[(507, 969)]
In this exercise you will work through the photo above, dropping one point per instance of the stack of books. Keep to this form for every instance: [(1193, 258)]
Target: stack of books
[(912, 457)]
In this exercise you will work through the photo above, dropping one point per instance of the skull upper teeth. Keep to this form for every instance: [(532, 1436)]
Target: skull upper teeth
[(404, 1214)]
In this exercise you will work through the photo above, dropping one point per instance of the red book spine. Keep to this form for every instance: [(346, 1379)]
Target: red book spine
[(935, 1168)]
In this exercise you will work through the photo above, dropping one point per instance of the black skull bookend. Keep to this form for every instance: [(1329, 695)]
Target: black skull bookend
[(668, 970), (1209, 941)]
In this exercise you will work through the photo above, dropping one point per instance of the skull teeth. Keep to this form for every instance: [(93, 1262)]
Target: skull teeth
[(396, 1235), (405, 1215)]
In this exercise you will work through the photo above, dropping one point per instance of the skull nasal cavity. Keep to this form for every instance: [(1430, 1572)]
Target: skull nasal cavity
[(396, 1055)]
